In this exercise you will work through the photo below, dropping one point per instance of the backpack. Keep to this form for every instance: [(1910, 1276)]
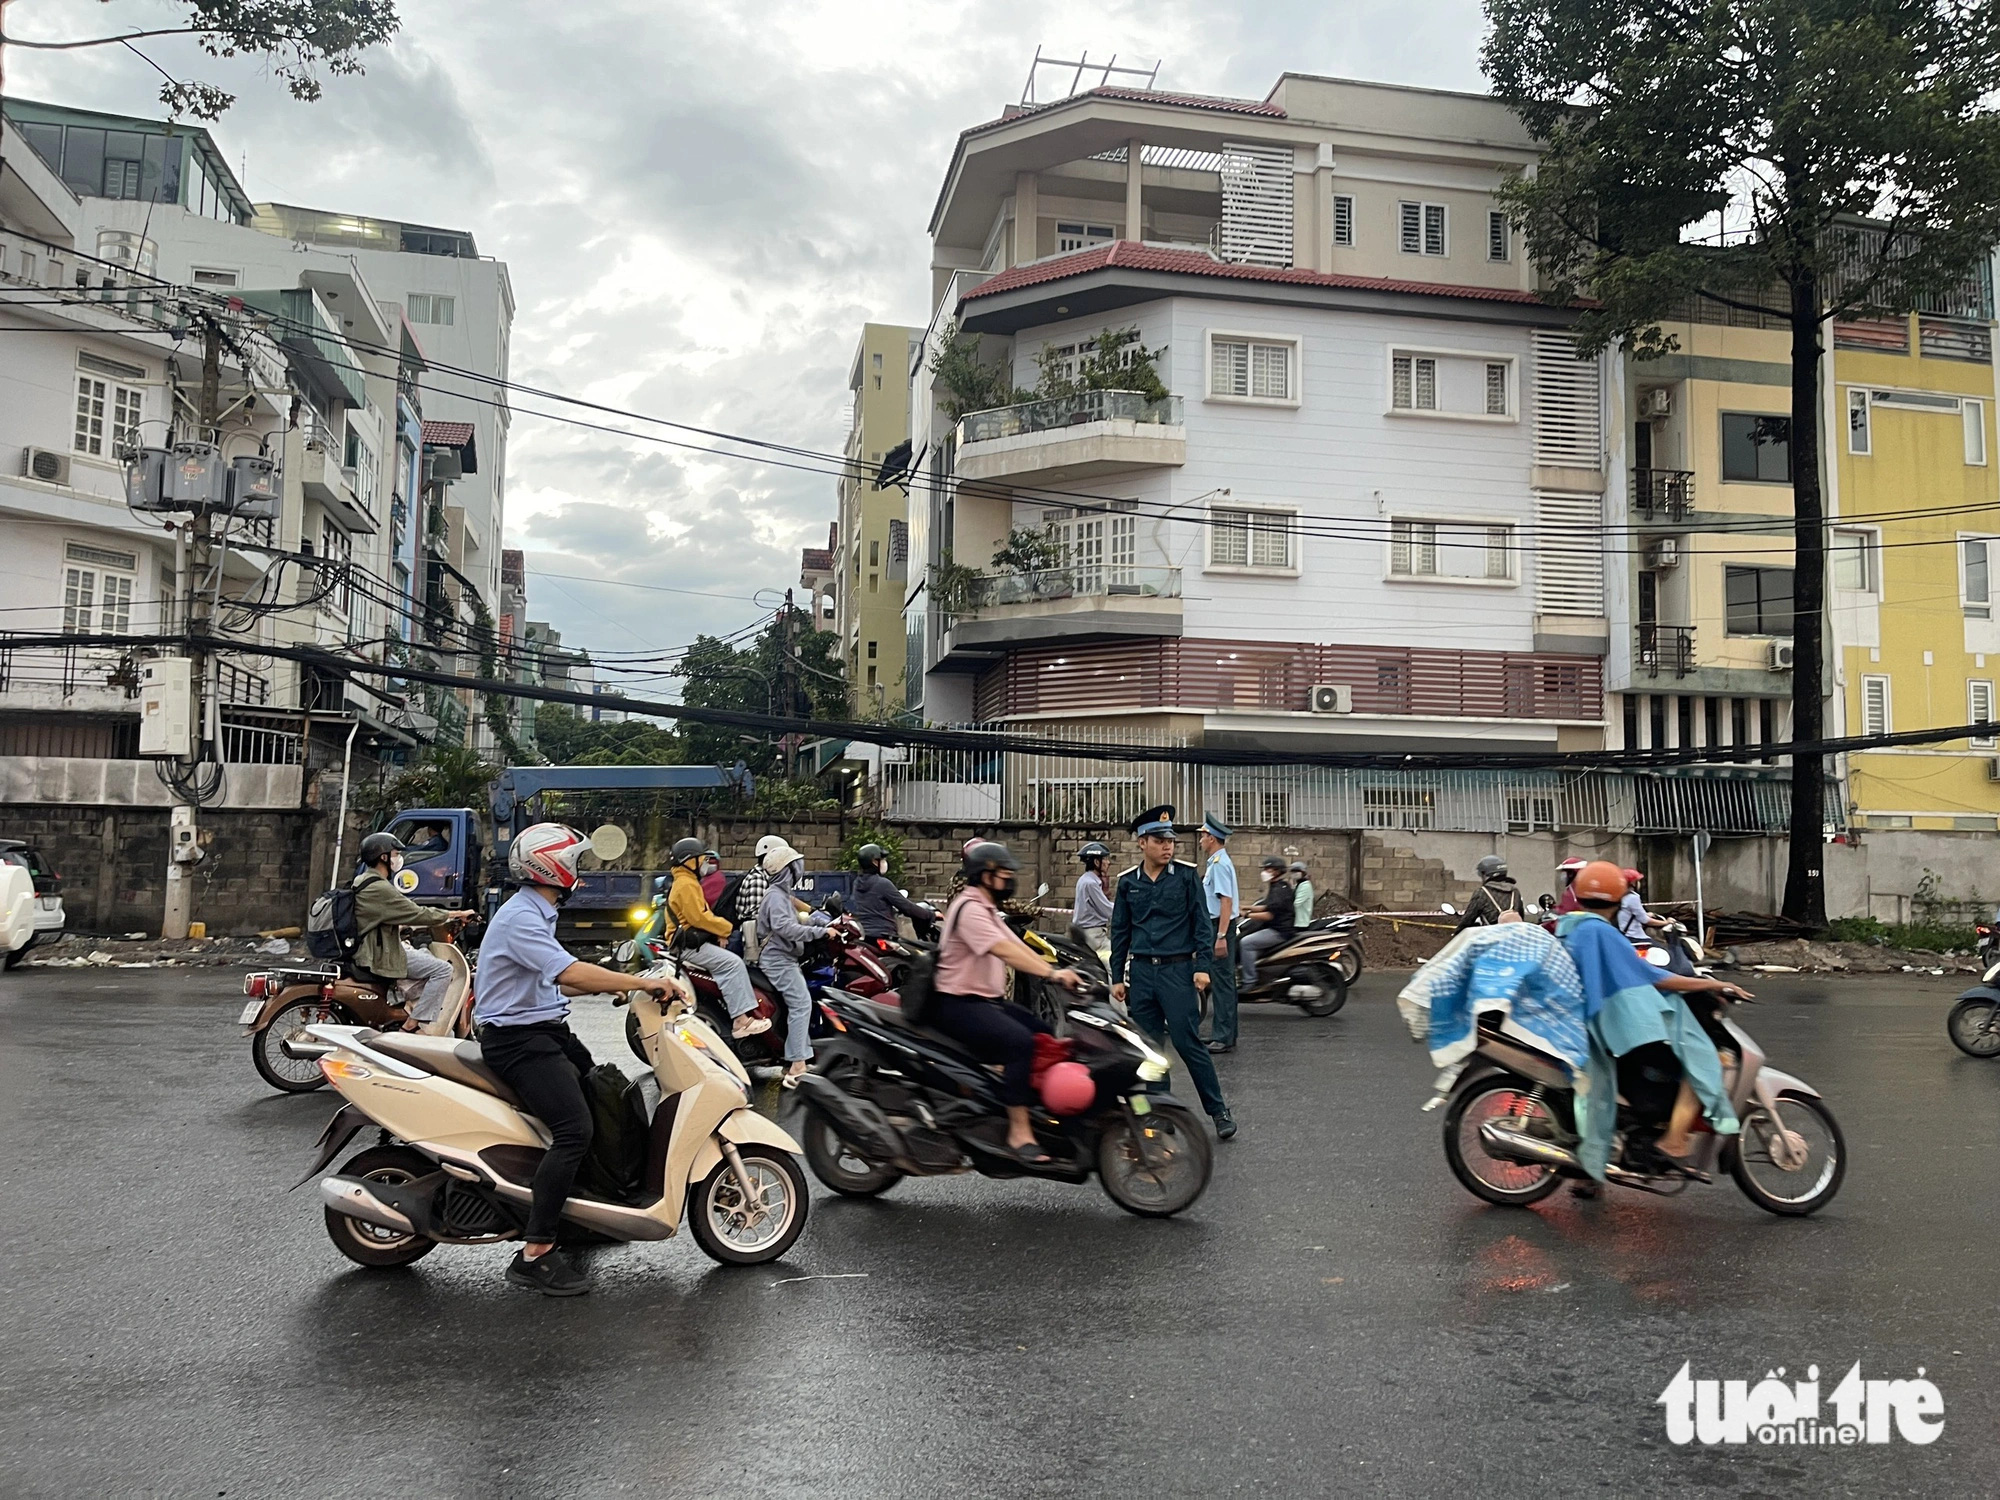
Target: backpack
[(333, 931), (920, 980), (725, 901)]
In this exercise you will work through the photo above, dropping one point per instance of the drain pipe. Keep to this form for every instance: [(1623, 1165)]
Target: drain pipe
[(340, 828)]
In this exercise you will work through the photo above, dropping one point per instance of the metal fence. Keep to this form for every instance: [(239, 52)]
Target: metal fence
[(976, 786)]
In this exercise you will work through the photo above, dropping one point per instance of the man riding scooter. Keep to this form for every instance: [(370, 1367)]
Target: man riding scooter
[(688, 912), (381, 912), (1271, 921), (875, 901)]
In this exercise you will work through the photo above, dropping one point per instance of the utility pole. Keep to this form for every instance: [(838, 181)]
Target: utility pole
[(197, 613), (788, 693)]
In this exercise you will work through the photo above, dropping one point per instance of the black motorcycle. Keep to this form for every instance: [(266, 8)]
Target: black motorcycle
[(1974, 1021), (888, 1098)]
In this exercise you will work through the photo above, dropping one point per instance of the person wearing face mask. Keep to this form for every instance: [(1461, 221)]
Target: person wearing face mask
[(1271, 921), (381, 912), (784, 932)]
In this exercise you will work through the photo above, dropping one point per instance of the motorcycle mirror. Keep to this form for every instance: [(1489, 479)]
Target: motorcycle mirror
[(833, 903), (1041, 890), (1548, 902), (904, 894), (1534, 913), (1447, 908)]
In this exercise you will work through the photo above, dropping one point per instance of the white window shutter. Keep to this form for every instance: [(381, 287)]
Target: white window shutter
[(1412, 228), (1874, 705), (1257, 204), (1230, 367), (1434, 229), (1569, 560), (1569, 419)]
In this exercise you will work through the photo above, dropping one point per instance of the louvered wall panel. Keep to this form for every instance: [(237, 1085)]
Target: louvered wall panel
[(1257, 204), (1569, 408), (1569, 554)]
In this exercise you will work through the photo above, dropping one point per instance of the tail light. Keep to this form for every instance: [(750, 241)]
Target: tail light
[(256, 986), (838, 1024), (326, 992)]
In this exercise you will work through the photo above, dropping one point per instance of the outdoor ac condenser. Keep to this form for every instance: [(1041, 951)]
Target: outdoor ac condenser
[(46, 465), (1781, 656), (1332, 698)]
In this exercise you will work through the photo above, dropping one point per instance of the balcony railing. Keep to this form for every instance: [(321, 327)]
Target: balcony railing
[(1076, 581), (1058, 412), (1668, 647), (1666, 494)]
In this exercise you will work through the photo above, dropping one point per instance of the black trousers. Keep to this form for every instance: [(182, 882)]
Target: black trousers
[(544, 1064), (994, 1031)]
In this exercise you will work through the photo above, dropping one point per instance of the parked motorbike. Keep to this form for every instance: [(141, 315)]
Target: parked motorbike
[(1671, 946), (1973, 1023), (1309, 968), (1510, 1127), (281, 1004), (462, 1153), (888, 1099)]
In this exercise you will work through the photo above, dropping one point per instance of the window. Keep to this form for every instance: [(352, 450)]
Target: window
[(1451, 549), (1413, 383), (1975, 431), (428, 307), (1343, 219), (336, 547), (1250, 370), (212, 276), (107, 416), (1757, 601), (1421, 229), (1857, 422), (1851, 562), (871, 650), (1398, 806), (1875, 705), (1259, 539), (875, 553), (1499, 236), (1979, 710), (1496, 389), (97, 588), (1756, 449), (1082, 236), (876, 365), (1975, 587)]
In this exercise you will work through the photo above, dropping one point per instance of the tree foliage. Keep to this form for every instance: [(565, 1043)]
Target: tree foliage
[(567, 738), (864, 833), (296, 40), (965, 383), (1843, 155), (1113, 361), (444, 776), (1031, 549), (792, 670)]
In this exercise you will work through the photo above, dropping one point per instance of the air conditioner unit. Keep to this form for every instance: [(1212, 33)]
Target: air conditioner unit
[(1781, 656), (46, 465), (1666, 552), (166, 707), (1656, 401), (1332, 698)]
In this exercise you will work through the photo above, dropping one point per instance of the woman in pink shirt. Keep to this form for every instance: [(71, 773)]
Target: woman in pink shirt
[(977, 949)]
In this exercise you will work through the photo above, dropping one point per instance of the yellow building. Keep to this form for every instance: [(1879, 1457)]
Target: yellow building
[(871, 543), (1913, 603)]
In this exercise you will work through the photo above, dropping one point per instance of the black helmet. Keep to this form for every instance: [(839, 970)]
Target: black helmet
[(685, 850), (1492, 867), (985, 856), (1272, 862), (1093, 851), (871, 856), (378, 847)]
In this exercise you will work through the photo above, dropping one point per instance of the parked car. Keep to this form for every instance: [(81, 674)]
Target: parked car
[(46, 917)]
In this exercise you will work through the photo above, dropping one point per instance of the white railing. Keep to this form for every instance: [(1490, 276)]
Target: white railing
[(1054, 413)]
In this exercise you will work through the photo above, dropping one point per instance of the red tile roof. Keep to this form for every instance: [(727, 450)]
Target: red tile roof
[(1131, 256), (815, 560), (448, 434)]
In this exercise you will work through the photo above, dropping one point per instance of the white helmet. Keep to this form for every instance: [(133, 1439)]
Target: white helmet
[(546, 854), (766, 844), (774, 854)]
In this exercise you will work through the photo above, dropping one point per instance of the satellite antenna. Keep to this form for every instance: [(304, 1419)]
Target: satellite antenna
[(1080, 68)]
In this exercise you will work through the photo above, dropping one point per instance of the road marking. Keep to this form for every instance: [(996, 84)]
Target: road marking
[(829, 1276)]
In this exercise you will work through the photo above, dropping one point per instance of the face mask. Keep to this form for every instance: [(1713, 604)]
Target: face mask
[(1003, 886), (395, 862), (1267, 876)]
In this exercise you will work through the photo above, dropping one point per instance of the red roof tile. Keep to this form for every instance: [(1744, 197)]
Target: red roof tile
[(448, 434), (815, 560), (1132, 256)]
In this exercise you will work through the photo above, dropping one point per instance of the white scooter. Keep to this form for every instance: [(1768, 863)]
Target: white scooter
[(465, 1151)]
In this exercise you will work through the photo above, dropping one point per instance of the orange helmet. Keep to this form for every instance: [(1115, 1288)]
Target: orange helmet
[(1600, 886)]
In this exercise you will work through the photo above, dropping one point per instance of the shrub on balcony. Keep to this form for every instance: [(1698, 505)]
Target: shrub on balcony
[(1031, 549), (964, 383), (1115, 361)]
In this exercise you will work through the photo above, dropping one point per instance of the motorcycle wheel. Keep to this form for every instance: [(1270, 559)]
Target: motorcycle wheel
[(1974, 1026), (1177, 1144), (722, 1227), (1802, 1189), (370, 1244), (1350, 963), (841, 1167), (1506, 1183), (293, 1075), (1328, 984)]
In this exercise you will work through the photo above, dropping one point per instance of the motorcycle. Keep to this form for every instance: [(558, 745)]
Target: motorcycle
[(888, 1099), (1673, 948), (461, 1153), (1310, 968), (1510, 1130), (1973, 1023), (280, 1004)]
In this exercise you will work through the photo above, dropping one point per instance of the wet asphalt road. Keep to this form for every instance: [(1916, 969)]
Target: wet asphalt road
[(1336, 1316)]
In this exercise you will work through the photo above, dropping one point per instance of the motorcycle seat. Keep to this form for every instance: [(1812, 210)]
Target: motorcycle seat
[(445, 1057), (892, 1015)]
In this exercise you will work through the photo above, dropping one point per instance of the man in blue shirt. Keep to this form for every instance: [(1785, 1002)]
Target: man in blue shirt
[(1160, 929), (1218, 884), (524, 1035)]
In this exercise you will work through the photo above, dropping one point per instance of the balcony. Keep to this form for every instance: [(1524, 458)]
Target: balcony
[(1078, 603), (1662, 494), (323, 479), (1665, 647), (1072, 437)]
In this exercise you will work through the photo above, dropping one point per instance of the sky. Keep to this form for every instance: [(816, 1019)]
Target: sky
[(699, 205)]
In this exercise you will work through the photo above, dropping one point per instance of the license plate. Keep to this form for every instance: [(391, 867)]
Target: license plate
[(49, 903), (250, 1013), (1141, 1105)]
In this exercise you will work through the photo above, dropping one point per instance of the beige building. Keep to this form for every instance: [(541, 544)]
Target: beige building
[(872, 541)]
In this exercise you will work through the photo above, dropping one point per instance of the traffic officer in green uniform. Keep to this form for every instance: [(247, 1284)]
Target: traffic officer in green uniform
[(1160, 930)]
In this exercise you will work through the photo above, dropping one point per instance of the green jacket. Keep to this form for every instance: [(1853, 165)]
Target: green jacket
[(381, 912)]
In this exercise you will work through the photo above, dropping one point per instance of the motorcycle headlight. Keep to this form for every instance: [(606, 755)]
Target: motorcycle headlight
[(1148, 1058), (1153, 1069)]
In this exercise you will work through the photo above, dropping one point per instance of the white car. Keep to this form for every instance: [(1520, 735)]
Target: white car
[(31, 909)]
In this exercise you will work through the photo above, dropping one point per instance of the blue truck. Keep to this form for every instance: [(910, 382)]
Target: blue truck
[(448, 862)]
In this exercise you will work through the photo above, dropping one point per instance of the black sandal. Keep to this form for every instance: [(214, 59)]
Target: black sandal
[(1031, 1154)]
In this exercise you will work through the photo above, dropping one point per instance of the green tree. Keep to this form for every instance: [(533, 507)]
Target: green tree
[(1031, 549), (567, 738), (1844, 153), (443, 776), (1113, 361), (864, 833), (295, 39), (965, 383), (791, 669)]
